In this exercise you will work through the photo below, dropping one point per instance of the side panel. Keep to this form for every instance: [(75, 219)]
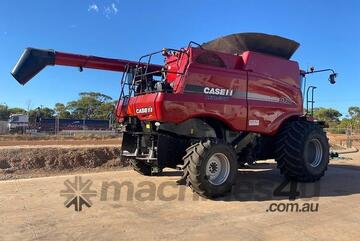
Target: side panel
[(270, 102), (209, 92), (253, 92), (273, 92), (194, 99)]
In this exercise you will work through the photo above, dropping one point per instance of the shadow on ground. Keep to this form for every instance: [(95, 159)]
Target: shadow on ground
[(265, 183)]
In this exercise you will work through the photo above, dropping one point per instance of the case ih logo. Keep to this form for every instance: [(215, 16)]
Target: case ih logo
[(144, 110), (218, 91)]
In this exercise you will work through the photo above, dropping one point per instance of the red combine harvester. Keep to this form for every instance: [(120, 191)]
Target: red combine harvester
[(210, 108)]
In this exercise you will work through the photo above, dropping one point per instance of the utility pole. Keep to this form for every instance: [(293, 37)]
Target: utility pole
[(57, 124), (348, 137)]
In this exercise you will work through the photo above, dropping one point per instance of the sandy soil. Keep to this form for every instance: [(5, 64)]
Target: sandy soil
[(27, 156), (35, 161), (33, 209)]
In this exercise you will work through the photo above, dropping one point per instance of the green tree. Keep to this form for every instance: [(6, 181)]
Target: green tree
[(327, 114), (346, 123), (47, 112), (96, 95), (17, 110), (4, 112), (91, 105), (61, 111), (354, 113), (43, 112)]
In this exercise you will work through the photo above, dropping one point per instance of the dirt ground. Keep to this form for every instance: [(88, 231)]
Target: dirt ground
[(124, 205), (28, 156), (23, 156), (33, 209), (35, 161)]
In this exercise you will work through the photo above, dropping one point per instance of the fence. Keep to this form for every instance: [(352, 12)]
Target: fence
[(337, 130), (4, 127), (75, 133), (344, 137), (88, 132)]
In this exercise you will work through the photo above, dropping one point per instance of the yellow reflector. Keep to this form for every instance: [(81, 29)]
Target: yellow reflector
[(147, 126)]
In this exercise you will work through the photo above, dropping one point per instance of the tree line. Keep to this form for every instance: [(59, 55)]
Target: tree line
[(336, 120), (89, 105)]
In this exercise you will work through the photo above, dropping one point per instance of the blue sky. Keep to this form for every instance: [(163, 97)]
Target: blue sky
[(328, 32)]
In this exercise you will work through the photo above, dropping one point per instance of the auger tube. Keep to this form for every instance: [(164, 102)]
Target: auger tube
[(33, 60)]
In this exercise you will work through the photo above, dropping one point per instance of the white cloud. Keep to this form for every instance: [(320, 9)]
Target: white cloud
[(114, 8), (93, 7), (108, 10)]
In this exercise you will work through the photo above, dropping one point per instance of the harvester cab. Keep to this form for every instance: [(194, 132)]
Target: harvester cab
[(209, 108), (140, 79)]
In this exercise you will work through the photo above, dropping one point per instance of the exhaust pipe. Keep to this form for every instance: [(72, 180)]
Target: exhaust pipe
[(31, 62)]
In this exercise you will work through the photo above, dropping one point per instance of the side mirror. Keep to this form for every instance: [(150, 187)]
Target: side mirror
[(332, 78)]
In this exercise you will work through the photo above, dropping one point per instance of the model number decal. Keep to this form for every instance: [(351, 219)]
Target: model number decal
[(254, 122), (144, 110), (218, 91)]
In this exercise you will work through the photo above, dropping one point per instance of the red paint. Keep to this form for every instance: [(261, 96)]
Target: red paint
[(266, 89), (94, 62), (265, 78)]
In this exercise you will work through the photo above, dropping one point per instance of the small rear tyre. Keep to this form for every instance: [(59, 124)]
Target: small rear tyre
[(210, 169), (302, 151)]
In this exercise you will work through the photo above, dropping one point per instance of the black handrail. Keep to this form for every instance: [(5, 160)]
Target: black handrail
[(141, 70), (310, 101)]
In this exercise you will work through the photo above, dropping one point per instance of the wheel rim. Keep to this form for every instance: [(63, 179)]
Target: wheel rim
[(315, 152), (217, 169)]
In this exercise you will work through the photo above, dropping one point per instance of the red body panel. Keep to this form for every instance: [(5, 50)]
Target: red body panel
[(257, 92), (94, 62), (273, 91)]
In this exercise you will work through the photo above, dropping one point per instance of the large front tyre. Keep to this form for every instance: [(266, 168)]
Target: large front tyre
[(302, 151), (210, 169)]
